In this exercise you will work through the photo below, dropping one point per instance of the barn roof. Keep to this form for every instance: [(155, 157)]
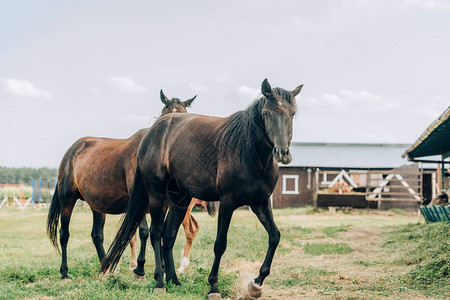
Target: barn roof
[(348, 155), (434, 141)]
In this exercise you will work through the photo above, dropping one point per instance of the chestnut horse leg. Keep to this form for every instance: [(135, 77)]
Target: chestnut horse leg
[(191, 228), (133, 242), (66, 213)]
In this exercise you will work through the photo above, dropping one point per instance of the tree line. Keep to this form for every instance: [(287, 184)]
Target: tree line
[(25, 175)]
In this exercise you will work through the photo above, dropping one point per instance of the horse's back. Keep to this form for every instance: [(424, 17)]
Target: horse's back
[(176, 147), (101, 170), (184, 149), (179, 136)]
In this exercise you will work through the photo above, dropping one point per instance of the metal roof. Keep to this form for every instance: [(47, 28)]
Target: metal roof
[(348, 155), (434, 141)]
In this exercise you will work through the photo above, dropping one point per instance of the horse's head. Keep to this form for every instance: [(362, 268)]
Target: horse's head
[(277, 113), (174, 105)]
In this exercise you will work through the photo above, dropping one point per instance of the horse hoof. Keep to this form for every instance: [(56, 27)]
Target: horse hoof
[(138, 277), (159, 290), (214, 296), (176, 282), (254, 289)]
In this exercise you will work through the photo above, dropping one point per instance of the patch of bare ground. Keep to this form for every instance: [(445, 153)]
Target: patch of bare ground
[(366, 272)]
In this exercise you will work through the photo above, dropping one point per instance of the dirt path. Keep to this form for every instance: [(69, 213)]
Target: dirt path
[(367, 272)]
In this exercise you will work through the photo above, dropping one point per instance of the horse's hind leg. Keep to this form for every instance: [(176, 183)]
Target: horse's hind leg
[(173, 222), (66, 213), (97, 233), (191, 228), (226, 210), (157, 213), (143, 236), (133, 242)]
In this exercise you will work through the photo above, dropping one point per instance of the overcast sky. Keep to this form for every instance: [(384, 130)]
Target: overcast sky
[(373, 71)]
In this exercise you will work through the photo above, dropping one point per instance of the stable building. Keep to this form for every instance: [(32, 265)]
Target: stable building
[(352, 175), (433, 146)]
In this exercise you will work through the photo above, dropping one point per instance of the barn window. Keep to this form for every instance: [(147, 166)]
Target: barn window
[(290, 184), (325, 181)]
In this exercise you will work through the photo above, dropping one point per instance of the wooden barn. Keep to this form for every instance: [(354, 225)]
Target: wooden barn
[(433, 146), (352, 175)]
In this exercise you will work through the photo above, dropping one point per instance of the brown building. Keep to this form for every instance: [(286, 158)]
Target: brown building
[(372, 172)]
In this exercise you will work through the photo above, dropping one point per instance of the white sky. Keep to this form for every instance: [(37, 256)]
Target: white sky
[(373, 71)]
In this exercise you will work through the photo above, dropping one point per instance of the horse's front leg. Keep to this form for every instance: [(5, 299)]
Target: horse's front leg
[(225, 213), (264, 214)]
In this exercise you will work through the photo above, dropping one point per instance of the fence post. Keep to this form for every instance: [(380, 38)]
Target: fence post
[(39, 191), (316, 189), (32, 191)]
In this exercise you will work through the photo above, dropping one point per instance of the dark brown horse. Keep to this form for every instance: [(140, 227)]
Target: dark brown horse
[(232, 160), (100, 171)]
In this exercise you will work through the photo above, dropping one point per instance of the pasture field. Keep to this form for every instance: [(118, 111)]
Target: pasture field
[(381, 255)]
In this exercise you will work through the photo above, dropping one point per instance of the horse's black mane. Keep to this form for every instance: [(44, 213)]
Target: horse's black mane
[(244, 133)]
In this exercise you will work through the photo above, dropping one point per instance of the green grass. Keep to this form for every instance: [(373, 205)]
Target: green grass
[(327, 248), (29, 266), (300, 276), (333, 231), (399, 211), (426, 247)]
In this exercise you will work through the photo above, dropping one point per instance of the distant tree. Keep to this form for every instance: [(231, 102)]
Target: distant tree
[(26, 175)]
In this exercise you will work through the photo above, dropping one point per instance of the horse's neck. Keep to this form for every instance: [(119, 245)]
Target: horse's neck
[(265, 154), (263, 146)]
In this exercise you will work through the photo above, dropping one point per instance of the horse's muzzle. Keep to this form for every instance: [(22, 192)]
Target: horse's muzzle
[(282, 155)]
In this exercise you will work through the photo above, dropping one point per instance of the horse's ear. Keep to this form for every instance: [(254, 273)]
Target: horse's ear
[(266, 89), (297, 90), (164, 99), (187, 103)]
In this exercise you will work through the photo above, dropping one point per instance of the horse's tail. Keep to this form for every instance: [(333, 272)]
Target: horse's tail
[(53, 218), (211, 208), (135, 213)]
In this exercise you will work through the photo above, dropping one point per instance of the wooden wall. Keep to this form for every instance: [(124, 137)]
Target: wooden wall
[(304, 196)]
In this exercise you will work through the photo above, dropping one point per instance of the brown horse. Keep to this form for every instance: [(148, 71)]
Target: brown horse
[(232, 160), (100, 171)]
